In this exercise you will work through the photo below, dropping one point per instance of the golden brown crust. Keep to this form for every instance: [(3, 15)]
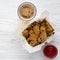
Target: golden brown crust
[(49, 28), (37, 32), (36, 29), (25, 33)]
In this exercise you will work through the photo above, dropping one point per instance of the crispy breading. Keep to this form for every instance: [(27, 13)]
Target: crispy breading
[(37, 32), (43, 34), (49, 28), (36, 29), (25, 33), (32, 39)]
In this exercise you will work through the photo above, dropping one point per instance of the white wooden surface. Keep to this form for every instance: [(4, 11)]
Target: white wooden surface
[(10, 47)]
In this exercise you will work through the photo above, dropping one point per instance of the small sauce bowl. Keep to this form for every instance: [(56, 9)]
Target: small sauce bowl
[(27, 11), (50, 51)]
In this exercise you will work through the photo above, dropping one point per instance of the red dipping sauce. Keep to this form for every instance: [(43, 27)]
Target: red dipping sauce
[(50, 51)]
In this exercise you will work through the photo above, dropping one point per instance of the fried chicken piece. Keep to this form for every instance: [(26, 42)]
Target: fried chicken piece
[(49, 29), (32, 40), (33, 43), (43, 35), (32, 35), (35, 23), (42, 29), (31, 32), (36, 30), (25, 33), (39, 40), (31, 25)]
